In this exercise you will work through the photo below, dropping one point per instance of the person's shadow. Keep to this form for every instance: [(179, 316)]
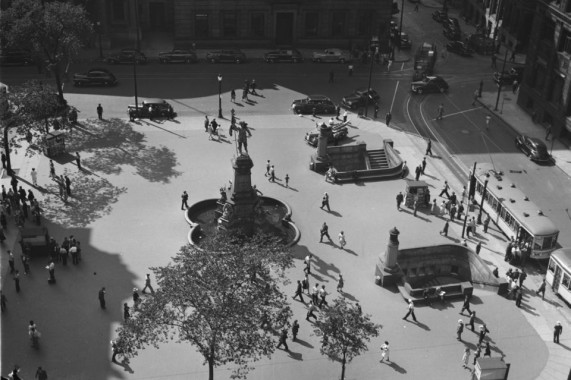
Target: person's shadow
[(125, 364), (397, 367)]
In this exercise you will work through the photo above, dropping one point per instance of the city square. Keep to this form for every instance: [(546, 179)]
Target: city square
[(125, 209)]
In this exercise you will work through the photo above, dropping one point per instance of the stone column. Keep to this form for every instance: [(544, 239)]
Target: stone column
[(387, 271), (320, 161), (392, 250)]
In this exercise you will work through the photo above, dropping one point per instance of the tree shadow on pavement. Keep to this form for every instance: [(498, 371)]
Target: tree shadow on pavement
[(91, 199), (115, 144)]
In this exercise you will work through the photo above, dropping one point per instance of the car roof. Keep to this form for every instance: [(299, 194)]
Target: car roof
[(536, 141), (318, 97), (154, 101)]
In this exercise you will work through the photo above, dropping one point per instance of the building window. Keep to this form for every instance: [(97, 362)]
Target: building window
[(338, 24), (201, 25), (557, 90), (311, 24), (364, 24), (258, 24), (229, 24), (119, 10)]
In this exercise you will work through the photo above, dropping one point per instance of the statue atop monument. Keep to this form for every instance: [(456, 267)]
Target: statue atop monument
[(243, 132)]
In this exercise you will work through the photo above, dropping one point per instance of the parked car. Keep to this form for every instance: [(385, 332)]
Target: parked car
[(532, 147), (15, 57), (151, 108), (229, 56), (452, 33), (290, 55), (321, 103), (403, 42), (338, 132), (360, 98), (439, 16), (127, 56), (331, 55), (507, 78), (459, 48), (183, 56), (95, 77), (429, 84)]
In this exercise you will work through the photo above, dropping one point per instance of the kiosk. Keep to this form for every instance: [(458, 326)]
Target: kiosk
[(416, 189), (55, 143)]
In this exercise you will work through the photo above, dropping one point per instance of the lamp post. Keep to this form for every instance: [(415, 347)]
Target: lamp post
[(471, 190), (500, 80), (479, 221), (374, 51), (401, 15), (220, 96), (135, 82), (99, 32)]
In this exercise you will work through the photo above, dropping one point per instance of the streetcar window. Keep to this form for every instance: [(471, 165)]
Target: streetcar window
[(551, 266), (565, 281)]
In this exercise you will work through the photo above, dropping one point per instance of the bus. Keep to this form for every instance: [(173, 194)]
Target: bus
[(513, 212), (559, 273)]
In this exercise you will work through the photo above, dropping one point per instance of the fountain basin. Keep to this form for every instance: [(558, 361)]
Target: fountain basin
[(274, 219)]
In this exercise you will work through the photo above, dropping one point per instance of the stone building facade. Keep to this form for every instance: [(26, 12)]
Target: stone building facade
[(244, 23), (545, 92)]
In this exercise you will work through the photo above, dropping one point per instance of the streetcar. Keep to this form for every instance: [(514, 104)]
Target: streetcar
[(514, 213), (559, 273)]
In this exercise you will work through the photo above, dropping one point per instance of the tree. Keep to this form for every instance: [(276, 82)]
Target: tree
[(54, 32), (344, 332), (209, 298)]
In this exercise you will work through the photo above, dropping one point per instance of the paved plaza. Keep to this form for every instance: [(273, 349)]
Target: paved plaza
[(125, 210)]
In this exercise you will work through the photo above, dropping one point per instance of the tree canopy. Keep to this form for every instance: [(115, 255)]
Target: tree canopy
[(344, 332), (216, 298), (54, 32)]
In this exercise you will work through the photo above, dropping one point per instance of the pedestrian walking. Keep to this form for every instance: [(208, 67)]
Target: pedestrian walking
[(445, 189), (102, 297), (416, 205), (488, 119), (477, 354), (126, 312), (418, 172), (51, 272), (557, 331), (272, 174), (41, 374), (376, 112), (331, 77), (342, 241), (184, 198), (428, 147), (34, 334), (324, 232), (476, 93), (340, 283), (515, 86), (17, 280), (322, 296), (472, 320), (325, 202), (148, 284), (478, 247), (541, 289), (305, 283), (404, 170), (466, 357), (294, 330), (52, 169), (482, 334), (423, 165), (344, 116), (268, 167), (466, 305), (136, 298), (315, 294), (307, 263), (253, 87), (400, 199), (206, 123), (389, 64), (67, 185), (100, 112), (486, 224), (311, 311), (299, 292), (34, 175), (4, 160), (480, 88), (385, 352), (410, 311), (445, 229), (518, 297), (459, 330), (440, 112), (287, 180), (78, 160), (11, 262), (233, 96)]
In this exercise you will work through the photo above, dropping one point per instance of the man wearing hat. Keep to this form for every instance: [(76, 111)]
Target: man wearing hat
[(557, 330), (410, 310), (136, 298)]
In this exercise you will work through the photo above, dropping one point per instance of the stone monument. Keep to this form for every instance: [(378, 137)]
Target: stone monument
[(238, 210), (320, 161), (387, 271)]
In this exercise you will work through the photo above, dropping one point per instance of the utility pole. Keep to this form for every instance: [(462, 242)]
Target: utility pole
[(500, 81)]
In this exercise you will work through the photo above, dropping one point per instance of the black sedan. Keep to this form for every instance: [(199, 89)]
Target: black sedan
[(429, 84), (127, 56), (506, 78), (290, 55), (532, 147), (181, 56), (151, 108), (459, 48), (360, 98), (231, 56), (320, 104), (95, 77)]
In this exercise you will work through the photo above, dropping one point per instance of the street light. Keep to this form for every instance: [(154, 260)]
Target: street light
[(500, 80), (374, 49), (99, 32), (220, 96), (479, 221)]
